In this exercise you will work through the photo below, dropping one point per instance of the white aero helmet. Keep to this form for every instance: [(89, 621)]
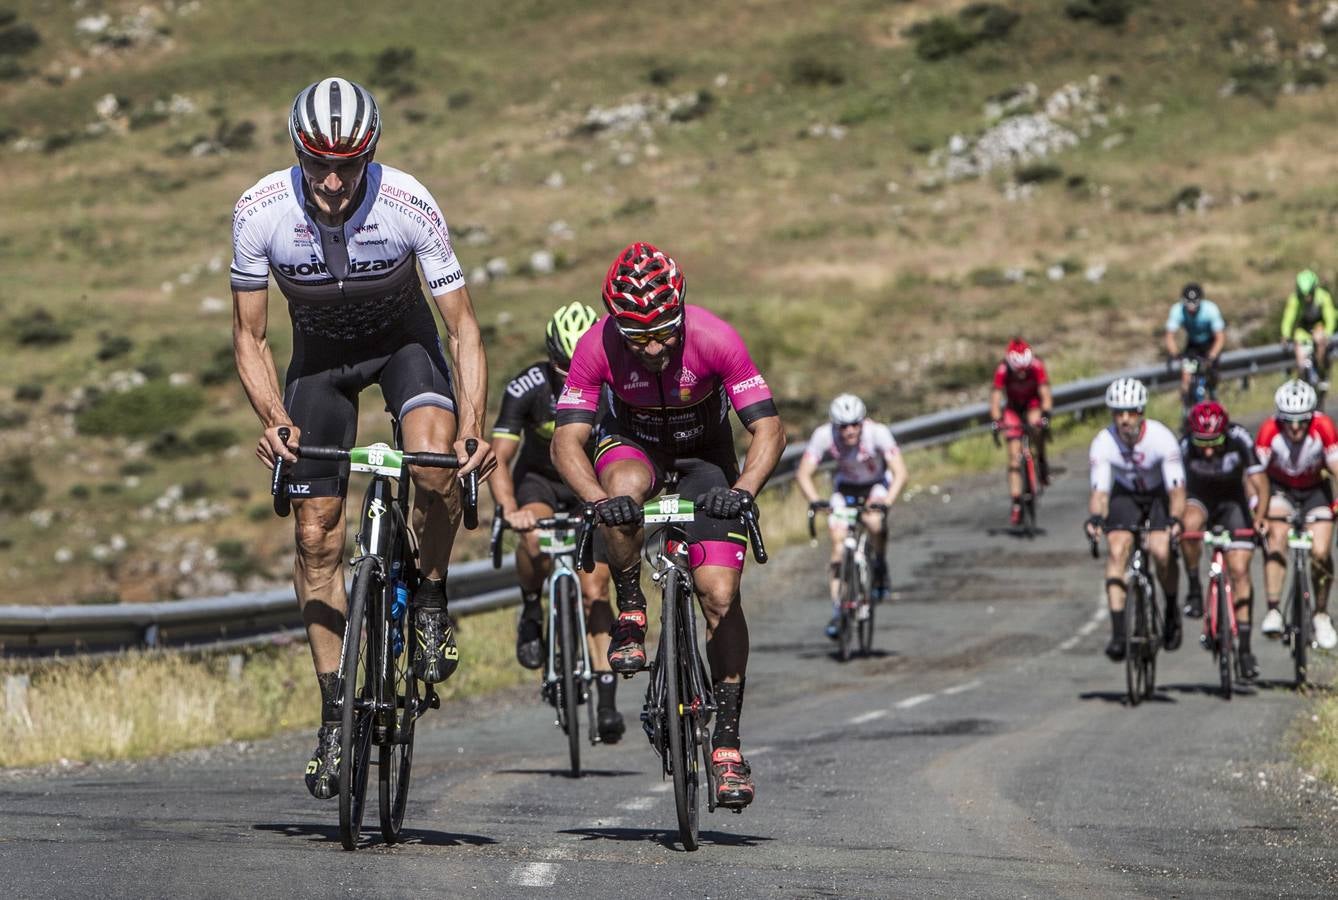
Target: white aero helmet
[(1126, 393), (334, 119), (1295, 399), (847, 409)]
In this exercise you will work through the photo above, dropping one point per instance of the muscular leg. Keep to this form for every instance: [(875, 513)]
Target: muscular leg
[(1159, 544), (726, 645), (532, 567), (1037, 441), (437, 496), (1322, 562), (838, 531), (318, 577), (598, 615), (632, 478), (1014, 468)]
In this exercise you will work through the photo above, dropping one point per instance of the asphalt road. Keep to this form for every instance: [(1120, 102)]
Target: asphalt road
[(984, 751)]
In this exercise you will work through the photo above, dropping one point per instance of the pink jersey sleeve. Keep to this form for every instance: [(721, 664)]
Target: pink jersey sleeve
[(588, 374), (729, 359), (999, 375)]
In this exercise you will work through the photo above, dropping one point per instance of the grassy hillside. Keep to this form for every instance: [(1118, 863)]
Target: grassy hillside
[(836, 179)]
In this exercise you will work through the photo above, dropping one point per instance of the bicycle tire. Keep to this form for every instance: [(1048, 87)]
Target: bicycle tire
[(1222, 598), (866, 629), (569, 680), (396, 757), (1301, 624), (356, 734), (849, 592), (682, 758), (1133, 647), (1028, 494), (1152, 623)]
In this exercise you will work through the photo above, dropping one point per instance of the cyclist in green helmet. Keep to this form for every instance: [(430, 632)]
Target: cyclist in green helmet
[(1307, 322), (526, 487)]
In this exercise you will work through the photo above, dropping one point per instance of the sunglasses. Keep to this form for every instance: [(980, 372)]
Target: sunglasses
[(1296, 420), (662, 335), (850, 425), (1208, 442)]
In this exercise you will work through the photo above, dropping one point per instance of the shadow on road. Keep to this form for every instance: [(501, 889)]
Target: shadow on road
[(668, 839), (1120, 697), (566, 772), (420, 836)]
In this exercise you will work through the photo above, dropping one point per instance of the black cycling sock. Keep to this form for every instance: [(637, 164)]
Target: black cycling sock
[(530, 608), (728, 706), (606, 683), (627, 584), (431, 594), (1195, 586), (329, 682), (1243, 631), (1117, 624), (600, 620)]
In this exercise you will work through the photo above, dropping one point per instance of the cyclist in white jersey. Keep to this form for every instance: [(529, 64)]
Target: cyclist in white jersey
[(1137, 472), (869, 467), (343, 237)]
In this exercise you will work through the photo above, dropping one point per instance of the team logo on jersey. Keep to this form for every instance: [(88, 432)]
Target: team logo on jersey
[(570, 397), (635, 380), (757, 381)]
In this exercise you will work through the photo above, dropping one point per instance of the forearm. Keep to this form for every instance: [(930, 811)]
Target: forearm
[(763, 453), (500, 484), (1172, 349), (471, 364), (1047, 399), (900, 475), (1177, 502), (1098, 504), (568, 453), (260, 379), (804, 478), (996, 404), (1219, 341)]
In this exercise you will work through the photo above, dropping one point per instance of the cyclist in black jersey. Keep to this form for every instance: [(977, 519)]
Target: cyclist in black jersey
[(533, 489), (1225, 485), (343, 237)]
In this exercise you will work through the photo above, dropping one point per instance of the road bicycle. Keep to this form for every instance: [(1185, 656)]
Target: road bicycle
[(1219, 613), (1299, 610), (1142, 619), (855, 606), (679, 703), (1033, 485), (378, 697), (567, 674)]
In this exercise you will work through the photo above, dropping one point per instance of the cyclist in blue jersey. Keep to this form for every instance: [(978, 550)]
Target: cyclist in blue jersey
[(1205, 332)]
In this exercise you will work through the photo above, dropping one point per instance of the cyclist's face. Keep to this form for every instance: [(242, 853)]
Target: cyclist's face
[(332, 183), (1129, 423), (655, 354), (850, 433)]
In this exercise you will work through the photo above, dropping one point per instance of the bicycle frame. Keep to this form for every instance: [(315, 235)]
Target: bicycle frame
[(1300, 593), (856, 573)]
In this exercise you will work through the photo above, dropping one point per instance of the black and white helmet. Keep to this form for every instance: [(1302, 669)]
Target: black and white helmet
[(1295, 399), (334, 119), (847, 409), (1126, 393)]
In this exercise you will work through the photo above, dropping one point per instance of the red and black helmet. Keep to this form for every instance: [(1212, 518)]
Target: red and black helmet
[(1207, 421), (1018, 355), (644, 288)]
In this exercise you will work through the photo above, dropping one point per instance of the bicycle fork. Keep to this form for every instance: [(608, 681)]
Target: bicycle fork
[(1218, 580)]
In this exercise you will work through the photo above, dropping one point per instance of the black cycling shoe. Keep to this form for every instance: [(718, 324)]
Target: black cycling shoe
[(833, 629), (530, 642), (610, 725), (1247, 666), (322, 774), (1116, 649), (1172, 632), (435, 655), (1194, 603)]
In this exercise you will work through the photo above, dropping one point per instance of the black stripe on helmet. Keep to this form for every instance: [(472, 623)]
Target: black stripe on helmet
[(359, 125), (336, 113), (310, 126)]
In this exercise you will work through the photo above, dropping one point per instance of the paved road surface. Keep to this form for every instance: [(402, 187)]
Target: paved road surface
[(984, 752)]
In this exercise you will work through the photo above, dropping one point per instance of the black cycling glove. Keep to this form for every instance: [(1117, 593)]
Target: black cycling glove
[(724, 503), (618, 511)]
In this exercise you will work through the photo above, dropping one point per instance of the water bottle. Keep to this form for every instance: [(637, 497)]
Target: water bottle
[(397, 607)]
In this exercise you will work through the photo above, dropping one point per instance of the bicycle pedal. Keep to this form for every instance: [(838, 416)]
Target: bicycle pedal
[(433, 698)]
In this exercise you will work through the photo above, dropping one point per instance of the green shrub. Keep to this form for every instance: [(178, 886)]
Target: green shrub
[(212, 440), (20, 489), (19, 38), (111, 346), (80, 491), (1102, 12), (8, 17), (1038, 173), (221, 368), (1311, 78), (1261, 80), (236, 135), (12, 418), (992, 22), (819, 60), (148, 409), (700, 105), (635, 206), (29, 392), (662, 75), (940, 38), (39, 328)]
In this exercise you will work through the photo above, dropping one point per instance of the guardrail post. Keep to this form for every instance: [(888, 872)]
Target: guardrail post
[(235, 663), (151, 635), (16, 698)]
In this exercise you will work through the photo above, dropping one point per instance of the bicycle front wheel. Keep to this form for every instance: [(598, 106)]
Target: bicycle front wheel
[(1152, 641), (396, 759), (1134, 632), (1301, 628), (682, 736), (564, 595), (1028, 494), (1224, 645), (358, 685), (866, 628), (845, 639)]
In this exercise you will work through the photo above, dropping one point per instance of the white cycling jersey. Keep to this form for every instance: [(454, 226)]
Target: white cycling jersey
[(1152, 465), (863, 464), (344, 282)]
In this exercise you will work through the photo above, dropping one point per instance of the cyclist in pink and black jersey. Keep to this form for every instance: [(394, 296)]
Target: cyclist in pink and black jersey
[(869, 469), (1021, 399), (674, 371)]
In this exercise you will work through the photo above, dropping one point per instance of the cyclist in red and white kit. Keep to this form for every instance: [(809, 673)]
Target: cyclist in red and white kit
[(1297, 446), (869, 469), (1137, 473), (674, 370), (1021, 399), (343, 237)]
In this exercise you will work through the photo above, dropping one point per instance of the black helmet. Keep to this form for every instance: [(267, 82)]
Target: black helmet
[(1192, 293)]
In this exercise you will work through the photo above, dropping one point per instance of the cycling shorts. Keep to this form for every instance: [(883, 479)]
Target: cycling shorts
[(1127, 510), (851, 494), (1014, 419), (1228, 509), (324, 404), (715, 542), (1315, 502)]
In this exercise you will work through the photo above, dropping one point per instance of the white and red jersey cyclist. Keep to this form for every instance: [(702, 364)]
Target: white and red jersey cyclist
[(1152, 465), (859, 467), (1298, 465)]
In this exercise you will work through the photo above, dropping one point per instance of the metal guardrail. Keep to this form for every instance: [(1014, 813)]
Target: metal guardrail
[(475, 584)]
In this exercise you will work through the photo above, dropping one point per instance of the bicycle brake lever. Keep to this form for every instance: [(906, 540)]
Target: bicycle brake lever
[(472, 490), (278, 486)]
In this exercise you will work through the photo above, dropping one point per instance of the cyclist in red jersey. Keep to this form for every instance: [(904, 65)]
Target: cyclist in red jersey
[(1297, 446), (671, 368), (1021, 399)]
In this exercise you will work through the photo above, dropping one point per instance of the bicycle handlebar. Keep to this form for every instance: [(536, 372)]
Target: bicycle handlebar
[(585, 547), (500, 525), (1237, 533), (278, 486)]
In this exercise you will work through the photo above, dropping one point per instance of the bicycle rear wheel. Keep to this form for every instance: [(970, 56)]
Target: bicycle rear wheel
[(1134, 630), (358, 677), (845, 639), (569, 682), (1222, 603), (682, 736), (396, 758)]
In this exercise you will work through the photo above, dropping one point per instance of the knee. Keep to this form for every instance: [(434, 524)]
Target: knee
[(319, 541), (431, 480), (716, 605)]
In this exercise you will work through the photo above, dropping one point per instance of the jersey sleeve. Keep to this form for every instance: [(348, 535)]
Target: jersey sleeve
[(432, 240), (1289, 313), (883, 440), (1215, 320), (1172, 463), (1042, 377), (250, 256), (510, 424), (580, 397), (1099, 462), (1000, 373), (1328, 435), (1328, 310), (1176, 319), (747, 389), (818, 444), (1263, 442)]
